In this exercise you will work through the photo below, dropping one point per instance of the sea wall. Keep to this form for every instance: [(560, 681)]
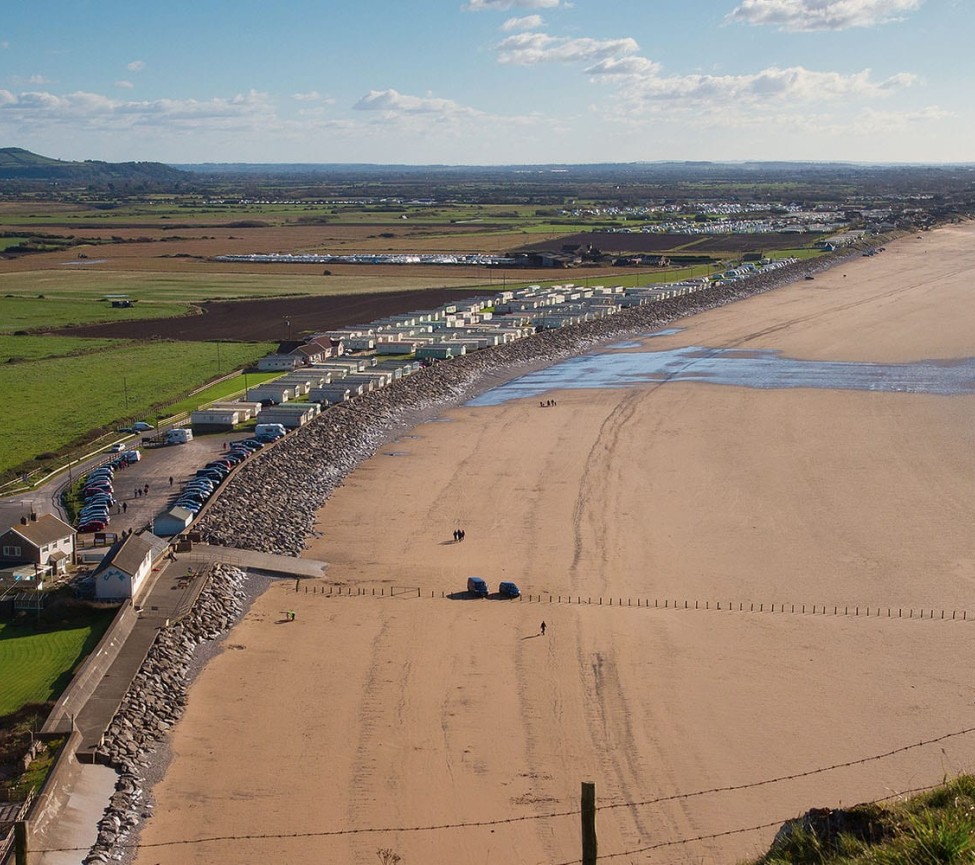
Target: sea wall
[(155, 701)]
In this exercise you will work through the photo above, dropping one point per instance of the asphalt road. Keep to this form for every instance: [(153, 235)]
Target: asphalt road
[(154, 470)]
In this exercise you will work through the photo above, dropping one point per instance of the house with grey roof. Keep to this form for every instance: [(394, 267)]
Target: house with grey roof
[(43, 541), (123, 572)]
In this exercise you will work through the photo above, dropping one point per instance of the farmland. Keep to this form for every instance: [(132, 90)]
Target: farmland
[(190, 318), (72, 397)]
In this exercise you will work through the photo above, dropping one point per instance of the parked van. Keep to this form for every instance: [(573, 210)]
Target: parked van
[(179, 436), (476, 586)]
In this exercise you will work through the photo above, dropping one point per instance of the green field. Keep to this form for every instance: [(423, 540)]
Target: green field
[(21, 348), (68, 397), (36, 663), (59, 309)]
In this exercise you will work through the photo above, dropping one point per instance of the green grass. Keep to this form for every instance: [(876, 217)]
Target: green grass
[(221, 390), (935, 828), (21, 348), (71, 396), (36, 663), (37, 771), (33, 313)]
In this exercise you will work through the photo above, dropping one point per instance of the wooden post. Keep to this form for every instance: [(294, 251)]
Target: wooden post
[(588, 823), (20, 842)]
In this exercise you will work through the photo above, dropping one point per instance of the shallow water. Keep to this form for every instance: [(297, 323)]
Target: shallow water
[(765, 370)]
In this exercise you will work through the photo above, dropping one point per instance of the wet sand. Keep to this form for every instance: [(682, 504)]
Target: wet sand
[(391, 713)]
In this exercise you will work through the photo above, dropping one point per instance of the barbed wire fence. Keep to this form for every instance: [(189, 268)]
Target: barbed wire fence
[(568, 812)]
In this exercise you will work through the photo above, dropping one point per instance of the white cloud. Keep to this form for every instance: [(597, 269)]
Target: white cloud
[(821, 14), (124, 85), (506, 5), (393, 103), (310, 96), (528, 22), (623, 67), (771, 85), (526, 49), (136, 66), (39, 109)]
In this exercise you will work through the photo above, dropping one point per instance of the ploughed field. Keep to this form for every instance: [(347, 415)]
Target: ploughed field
[(266, 320)]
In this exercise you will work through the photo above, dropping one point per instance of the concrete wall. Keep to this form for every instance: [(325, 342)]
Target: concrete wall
[(92, 669)]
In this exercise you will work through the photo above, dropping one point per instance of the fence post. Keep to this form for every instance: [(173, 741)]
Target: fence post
[(588, 809)]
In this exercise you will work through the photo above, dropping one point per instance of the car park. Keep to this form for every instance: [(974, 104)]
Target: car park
[(509, 590)]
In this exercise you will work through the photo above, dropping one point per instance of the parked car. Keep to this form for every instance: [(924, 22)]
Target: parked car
[(117, 448), (93, 526), (509, 590), (142, 426), (476, 586)]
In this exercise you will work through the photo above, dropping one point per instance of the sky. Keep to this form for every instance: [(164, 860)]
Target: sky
[(489, 82)]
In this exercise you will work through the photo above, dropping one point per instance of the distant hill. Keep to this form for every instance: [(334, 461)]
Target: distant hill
[(31, 169)]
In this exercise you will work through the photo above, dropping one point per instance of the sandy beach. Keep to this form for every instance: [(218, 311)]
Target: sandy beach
[(373, 717)]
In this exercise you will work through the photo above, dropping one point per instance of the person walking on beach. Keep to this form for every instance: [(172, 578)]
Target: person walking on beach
[(542, 629)]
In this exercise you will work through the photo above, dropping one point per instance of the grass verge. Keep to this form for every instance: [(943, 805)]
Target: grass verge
[(37, 659)]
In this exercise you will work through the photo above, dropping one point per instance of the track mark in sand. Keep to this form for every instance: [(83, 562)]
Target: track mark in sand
[(888, 294), (590, 513), (608, 716)]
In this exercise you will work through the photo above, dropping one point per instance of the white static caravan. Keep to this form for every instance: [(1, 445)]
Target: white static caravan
[(366, 382), (246, 410), (399, 368), (440, 351), (291, 416), (360, 343), (271, 392), (380, 377), (399, 347), (299, 383), (275, 362), (330, 394), (214, 419)]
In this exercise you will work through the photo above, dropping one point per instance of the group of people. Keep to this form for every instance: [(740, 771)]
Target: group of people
[(142, 491), (547, 403), (459, 534)]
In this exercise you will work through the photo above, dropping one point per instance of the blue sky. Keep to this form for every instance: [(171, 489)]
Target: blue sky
[(489, 81)]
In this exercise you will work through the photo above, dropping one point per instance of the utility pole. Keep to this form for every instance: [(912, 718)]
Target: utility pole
[(588, 823)]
